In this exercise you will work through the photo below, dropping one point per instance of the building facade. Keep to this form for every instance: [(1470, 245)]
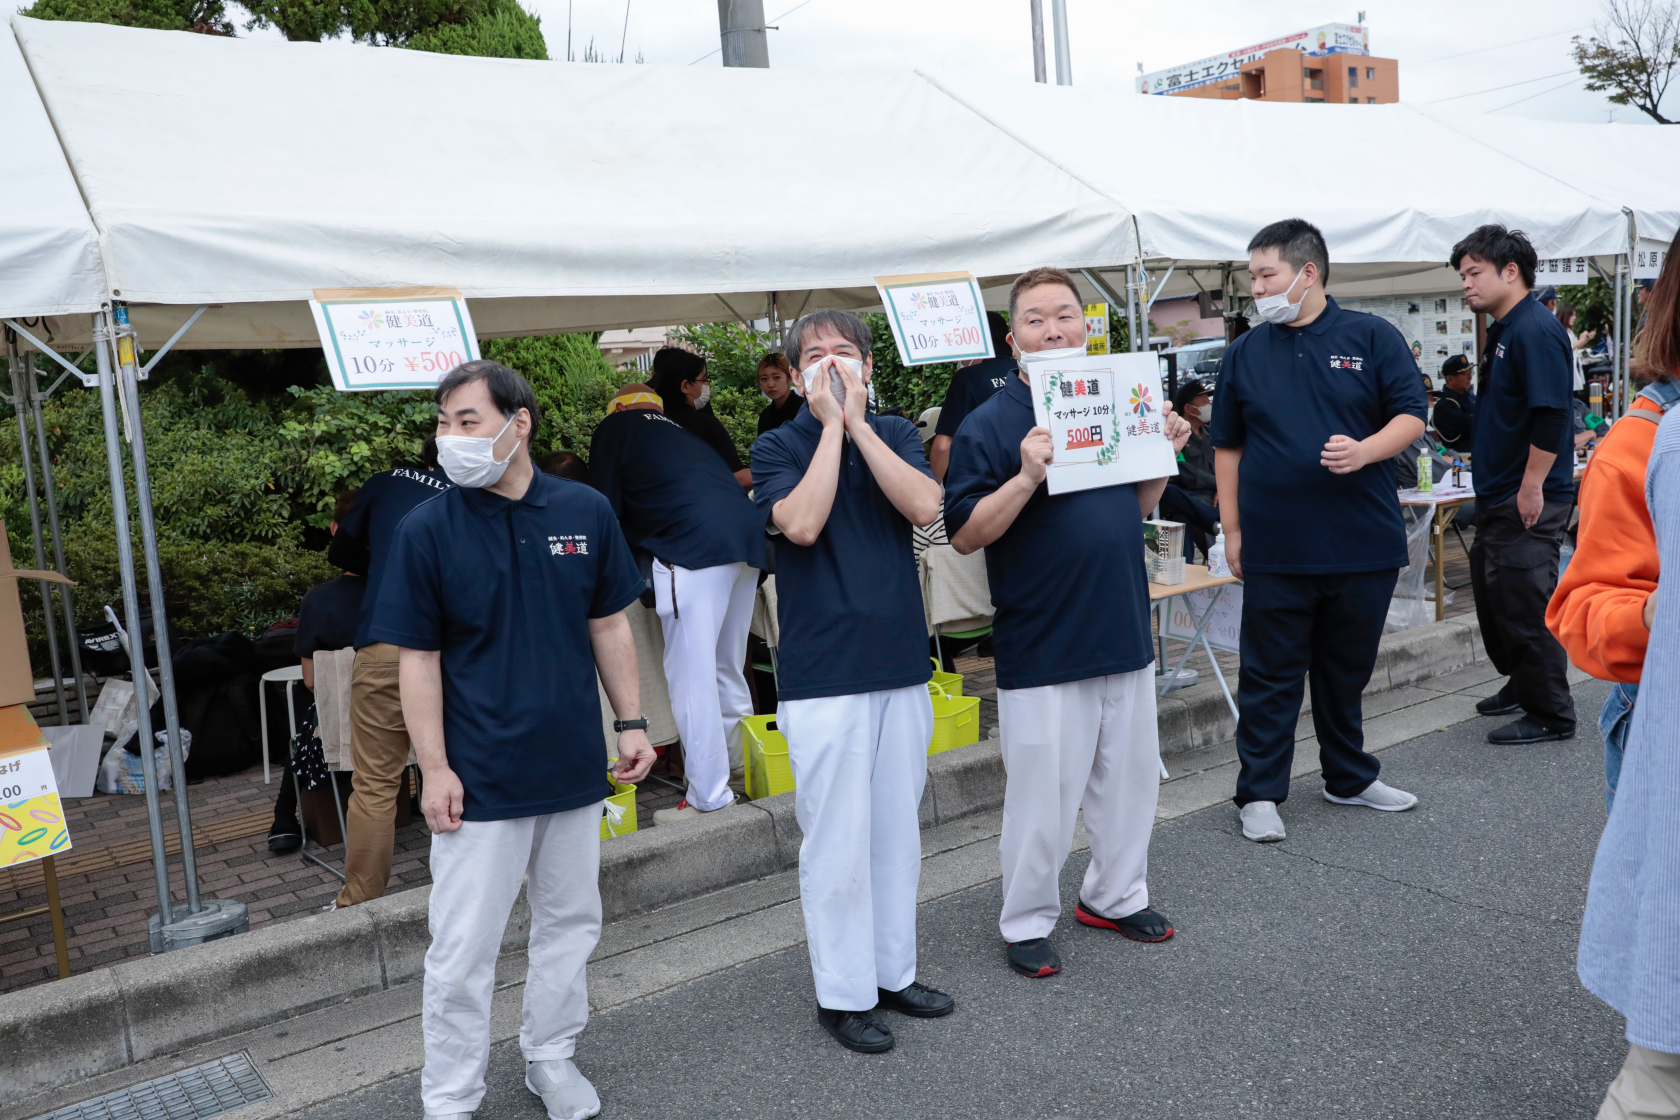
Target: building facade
[(1331, 64)]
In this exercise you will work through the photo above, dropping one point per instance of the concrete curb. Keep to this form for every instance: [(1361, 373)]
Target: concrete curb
[(57, 1033)]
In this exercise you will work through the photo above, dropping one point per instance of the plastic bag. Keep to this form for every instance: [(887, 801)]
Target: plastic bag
[(1410, 605), (121, 772)]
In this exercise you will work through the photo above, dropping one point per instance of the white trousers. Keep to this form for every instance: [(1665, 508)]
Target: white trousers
[(859, 765), (476, 872), (1090, 743), (706, 615)]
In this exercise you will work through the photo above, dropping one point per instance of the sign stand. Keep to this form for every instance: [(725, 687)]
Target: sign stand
[(53, 907)]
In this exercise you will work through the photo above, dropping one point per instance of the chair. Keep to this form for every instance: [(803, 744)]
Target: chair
[(291, 675)]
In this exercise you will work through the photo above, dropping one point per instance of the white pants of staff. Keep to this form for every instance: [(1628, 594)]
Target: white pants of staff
[(859, 765), (476, 872), (706, 615), (1092, 743)]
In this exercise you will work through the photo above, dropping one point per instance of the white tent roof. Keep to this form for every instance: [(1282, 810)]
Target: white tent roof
[(556, 196), (49, 255)]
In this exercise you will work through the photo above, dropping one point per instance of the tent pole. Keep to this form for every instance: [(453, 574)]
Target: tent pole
[(1131, 310), (22, 391), (57, 536), (1619, 330), (131, 605), (160, 620)]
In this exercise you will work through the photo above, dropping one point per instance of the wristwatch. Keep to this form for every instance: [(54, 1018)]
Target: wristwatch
[(622, 725)]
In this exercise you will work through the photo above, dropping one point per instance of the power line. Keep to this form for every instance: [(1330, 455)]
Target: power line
[(1497, 46), (777, 19), (1496, 89), (1542, 93)]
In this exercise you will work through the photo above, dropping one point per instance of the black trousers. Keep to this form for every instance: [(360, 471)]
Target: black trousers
[(1514, 572), (1323, 629), (1178, 505)]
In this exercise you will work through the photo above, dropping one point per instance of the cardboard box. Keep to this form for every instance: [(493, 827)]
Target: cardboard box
[(17, 679)]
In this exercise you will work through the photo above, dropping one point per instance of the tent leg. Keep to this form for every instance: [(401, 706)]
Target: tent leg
[(57, 537), (22, 391), (131, 605), (1131, 309), (160, 619)]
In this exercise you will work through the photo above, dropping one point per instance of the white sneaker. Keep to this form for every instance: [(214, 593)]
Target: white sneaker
[(1261, 823), (1377, 796), (566, 1093), (683, 812), (328, 909)]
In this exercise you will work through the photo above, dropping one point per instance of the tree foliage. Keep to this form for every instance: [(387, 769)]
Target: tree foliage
[(207, 16), (1594, 303), (1633, 53)]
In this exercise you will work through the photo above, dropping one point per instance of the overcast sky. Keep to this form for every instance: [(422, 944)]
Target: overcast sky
[(1110, 38)]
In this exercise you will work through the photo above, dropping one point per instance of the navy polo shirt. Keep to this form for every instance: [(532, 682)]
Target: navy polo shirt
[(327, 616), (672, 493), (505, 589), (363, 541), (849, 604), (1283, 392), (1067, 576), (1528, 364), (969, 389)]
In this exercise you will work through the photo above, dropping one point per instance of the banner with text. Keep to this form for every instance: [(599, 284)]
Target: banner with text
[(1096, 328), (936, 317), (1181, 613), (31, 818), (395, 338), (1104, 416)]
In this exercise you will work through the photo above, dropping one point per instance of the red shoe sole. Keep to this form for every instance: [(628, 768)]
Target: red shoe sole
[(1039, 975), (1085, 917)]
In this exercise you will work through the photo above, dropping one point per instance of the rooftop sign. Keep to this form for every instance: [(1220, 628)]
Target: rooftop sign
[(1329, 38)]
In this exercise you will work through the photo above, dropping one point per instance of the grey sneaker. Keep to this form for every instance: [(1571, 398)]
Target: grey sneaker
[(1261, 823), (565, 1092), (1377, 796)]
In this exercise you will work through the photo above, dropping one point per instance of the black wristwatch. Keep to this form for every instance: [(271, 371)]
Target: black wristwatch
[(622, 725)]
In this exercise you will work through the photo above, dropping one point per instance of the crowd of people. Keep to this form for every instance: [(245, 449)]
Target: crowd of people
[(485, 597)]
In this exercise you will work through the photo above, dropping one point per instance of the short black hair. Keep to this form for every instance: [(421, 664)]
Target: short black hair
[(509, 392), (999, 328), (1298, 243), (1499, 247), (567, 464), (672, 365), (341, 508), (428, 452), (842, 323)]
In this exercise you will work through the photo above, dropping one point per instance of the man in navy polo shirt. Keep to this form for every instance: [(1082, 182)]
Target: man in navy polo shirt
[(1312, 404), (505, 597), (675, 498), (843, 487), (971, 387), (1525, 485), (1076, 683)]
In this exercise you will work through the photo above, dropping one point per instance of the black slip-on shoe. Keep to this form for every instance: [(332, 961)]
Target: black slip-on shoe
[(1525, 731), (918, 1000), (1034, 958), (284, 837), (1501, 703), (862, 1031), (1145, 925)]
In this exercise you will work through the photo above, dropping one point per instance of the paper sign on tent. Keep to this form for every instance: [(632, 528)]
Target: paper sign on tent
[(392, 338), (1105, 418), (936, 317)]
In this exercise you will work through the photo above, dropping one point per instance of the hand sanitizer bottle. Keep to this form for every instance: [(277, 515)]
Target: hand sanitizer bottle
[(1216, 554)]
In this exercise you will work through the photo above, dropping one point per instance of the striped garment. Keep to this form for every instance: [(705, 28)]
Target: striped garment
[(1630, 934)]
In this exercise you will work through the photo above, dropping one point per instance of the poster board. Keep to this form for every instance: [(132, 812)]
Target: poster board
[(936, 317), (392, 338), (1435, 325), (31, 817), (1104, 416), (1224, 630), (1648, 258), (1096, 328)]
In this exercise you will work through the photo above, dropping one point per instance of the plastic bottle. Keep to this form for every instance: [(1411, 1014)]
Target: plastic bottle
[(1216, 554), (1426, 473)]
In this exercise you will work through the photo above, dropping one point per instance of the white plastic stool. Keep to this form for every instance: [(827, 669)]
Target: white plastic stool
[(291, 674)]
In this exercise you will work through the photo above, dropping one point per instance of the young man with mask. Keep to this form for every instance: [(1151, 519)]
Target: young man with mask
[(843, 487), (505, 598), (675, 498), (1525, 486), (1312, 404), (1076, 715)]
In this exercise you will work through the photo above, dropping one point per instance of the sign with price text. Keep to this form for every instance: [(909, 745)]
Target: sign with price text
[(392, 338), (31, 818), (1104, 416), (936, 317)]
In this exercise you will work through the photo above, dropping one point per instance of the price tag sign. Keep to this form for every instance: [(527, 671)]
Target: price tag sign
[(936, 317), (31, 818), (1104, 415), (392, 338), (1224, 629), (1096, 328), (1648, 258)]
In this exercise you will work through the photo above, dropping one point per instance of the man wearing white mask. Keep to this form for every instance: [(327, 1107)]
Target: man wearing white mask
[(1312, 404), (505, 597), (843, 487)]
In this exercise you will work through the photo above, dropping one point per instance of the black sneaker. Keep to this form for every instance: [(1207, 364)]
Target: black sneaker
[(1144, 925), (918, 1000), (284, 837), (1525, 731), (1501, 703), (862, 1031), (1034, 958)]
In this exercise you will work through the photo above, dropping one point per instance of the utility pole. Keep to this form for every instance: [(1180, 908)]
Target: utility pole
[(1039, 74), (1064, 56), (745, 40)]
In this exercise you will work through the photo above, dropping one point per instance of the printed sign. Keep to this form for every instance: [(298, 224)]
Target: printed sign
[(1104, 416), (1329, 38), (1096, 328), (1648, 258), (31, 818), (1560, 270), (936, 317), (1180, 614), (393, 338)]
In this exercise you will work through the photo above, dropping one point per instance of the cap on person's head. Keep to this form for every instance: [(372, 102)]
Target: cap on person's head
[(926, 423), (635, 395), (1428, 384), (1454, 366), (1187, 391), (1546, 294), (1646, 284)]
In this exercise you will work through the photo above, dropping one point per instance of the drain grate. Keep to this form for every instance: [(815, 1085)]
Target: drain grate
[(192, 1094)]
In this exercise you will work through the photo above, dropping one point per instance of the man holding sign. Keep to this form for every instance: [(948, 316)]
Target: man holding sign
[(1076, 684)]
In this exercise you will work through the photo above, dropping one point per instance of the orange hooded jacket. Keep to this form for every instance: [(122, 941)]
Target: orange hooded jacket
[(1597, 611)]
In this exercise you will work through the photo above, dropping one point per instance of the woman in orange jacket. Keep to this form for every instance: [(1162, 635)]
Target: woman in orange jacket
[(1601, 611)]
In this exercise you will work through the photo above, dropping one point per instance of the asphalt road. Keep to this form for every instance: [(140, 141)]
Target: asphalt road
[(1418, 964)]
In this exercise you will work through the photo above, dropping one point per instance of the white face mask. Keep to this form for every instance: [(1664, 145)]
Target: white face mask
[(835, 384), (705, 395), (1202, 412), (470, 461), (1278, 309)]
